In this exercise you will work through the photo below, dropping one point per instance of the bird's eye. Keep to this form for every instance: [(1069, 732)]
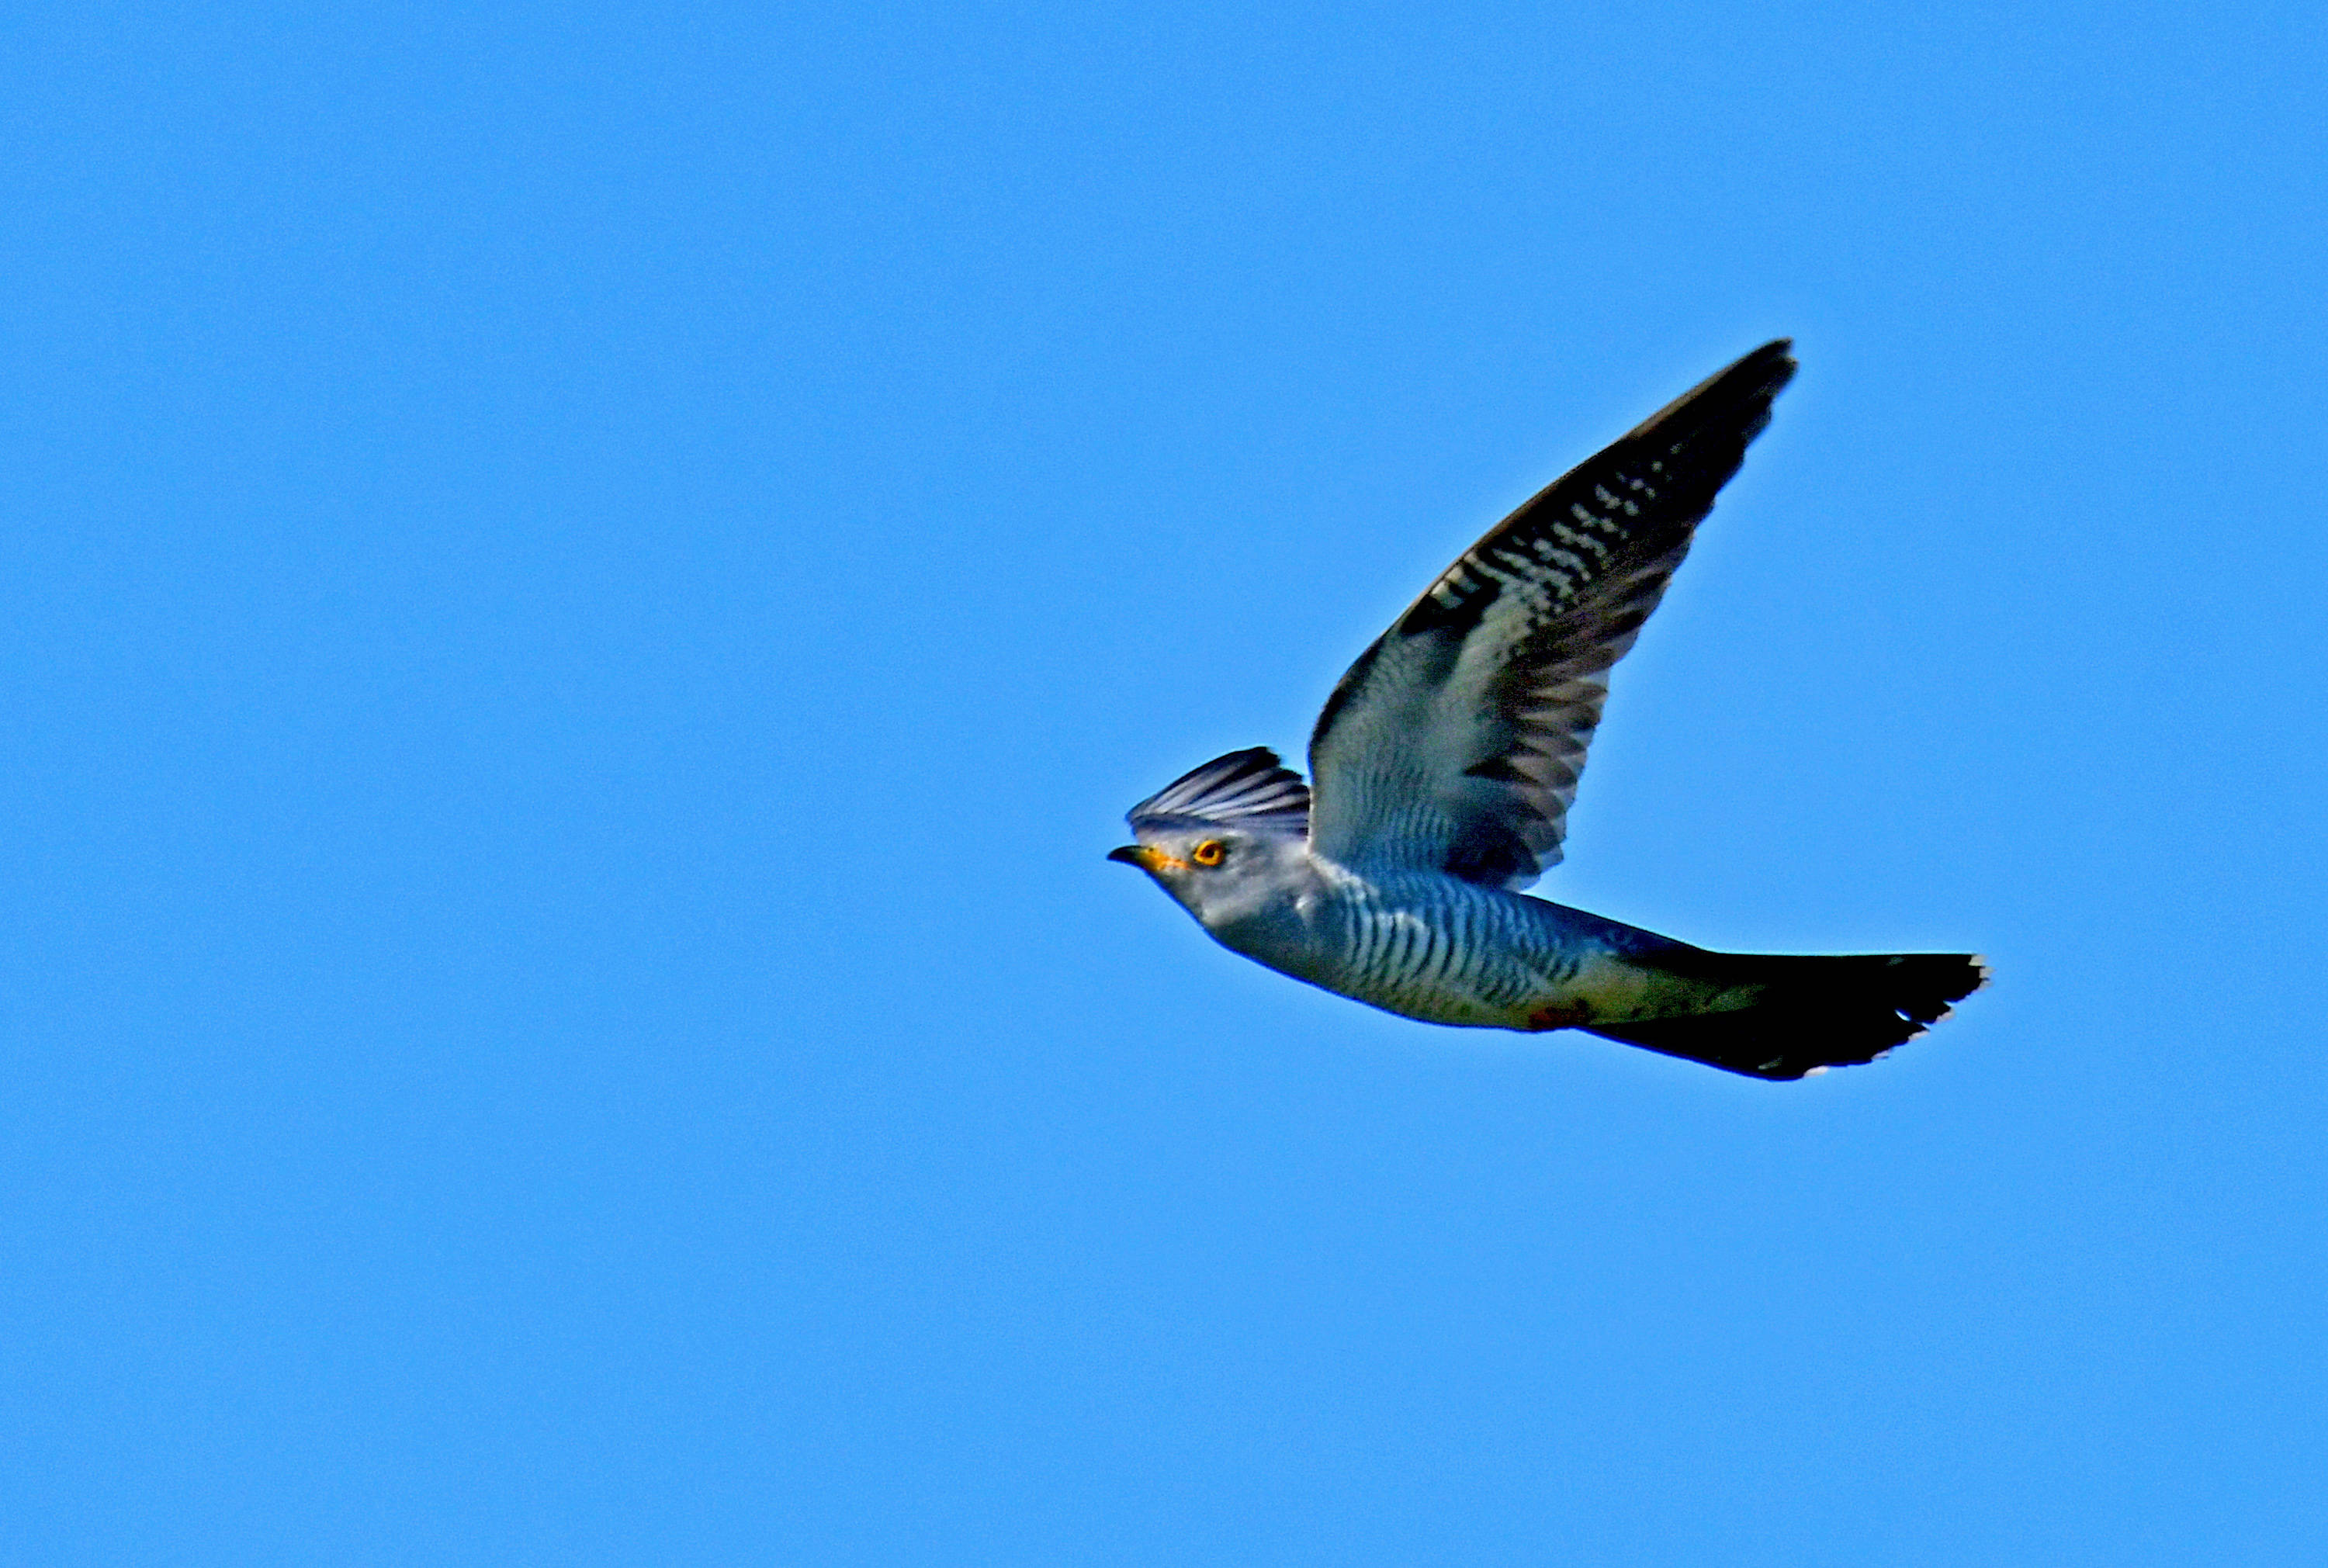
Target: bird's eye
[(1211, 852)]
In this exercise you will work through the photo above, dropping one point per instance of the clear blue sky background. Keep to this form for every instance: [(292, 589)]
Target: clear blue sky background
[(586, 587)]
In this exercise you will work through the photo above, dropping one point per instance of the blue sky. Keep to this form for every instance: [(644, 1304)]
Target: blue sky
[(588, 586)]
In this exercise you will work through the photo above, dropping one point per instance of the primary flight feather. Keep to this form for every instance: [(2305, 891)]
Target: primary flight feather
[(1444, 764)]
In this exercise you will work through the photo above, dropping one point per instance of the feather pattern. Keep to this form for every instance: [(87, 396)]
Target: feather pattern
[(1249, 788), (1455, 743)]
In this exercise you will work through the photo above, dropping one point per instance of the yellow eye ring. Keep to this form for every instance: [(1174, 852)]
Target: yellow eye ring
[(1211, 852)]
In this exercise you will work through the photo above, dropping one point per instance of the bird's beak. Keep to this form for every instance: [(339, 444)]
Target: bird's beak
[(1138, 854)]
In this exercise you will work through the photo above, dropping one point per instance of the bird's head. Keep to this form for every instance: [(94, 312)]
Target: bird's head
[(1218, 873), (1226, 841)]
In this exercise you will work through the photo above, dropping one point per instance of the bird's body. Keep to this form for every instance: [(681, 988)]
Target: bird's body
[(1446, 951), (1444, 764)]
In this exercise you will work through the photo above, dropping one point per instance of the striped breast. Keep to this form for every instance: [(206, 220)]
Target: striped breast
[(1448, 950)]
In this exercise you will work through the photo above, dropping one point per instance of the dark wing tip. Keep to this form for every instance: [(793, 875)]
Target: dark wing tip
[(1739, 395), (1664, 473)]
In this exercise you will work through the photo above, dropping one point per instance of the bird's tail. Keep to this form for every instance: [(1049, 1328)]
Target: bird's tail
[(1799, 1016)]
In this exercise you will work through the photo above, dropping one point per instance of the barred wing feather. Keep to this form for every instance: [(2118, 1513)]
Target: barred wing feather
[(1247, 788), (1455, 742)]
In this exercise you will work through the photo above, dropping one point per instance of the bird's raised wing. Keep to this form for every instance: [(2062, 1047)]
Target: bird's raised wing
[(1246, 789), (1455, 742)]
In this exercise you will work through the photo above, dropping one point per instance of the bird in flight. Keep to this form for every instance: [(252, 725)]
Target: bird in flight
[(1442, 769)]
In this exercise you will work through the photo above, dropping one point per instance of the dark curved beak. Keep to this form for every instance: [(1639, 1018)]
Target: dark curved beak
[(1131, 855)]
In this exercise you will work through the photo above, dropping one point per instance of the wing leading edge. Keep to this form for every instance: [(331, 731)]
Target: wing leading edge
[(1455, 743)]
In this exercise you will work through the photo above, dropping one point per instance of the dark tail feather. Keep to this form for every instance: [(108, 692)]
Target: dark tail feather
[(1811, 1013)]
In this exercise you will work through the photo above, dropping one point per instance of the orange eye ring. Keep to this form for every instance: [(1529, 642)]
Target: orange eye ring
[(1211, 852)]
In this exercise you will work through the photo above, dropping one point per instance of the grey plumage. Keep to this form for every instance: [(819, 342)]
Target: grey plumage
[(1444, 764)]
